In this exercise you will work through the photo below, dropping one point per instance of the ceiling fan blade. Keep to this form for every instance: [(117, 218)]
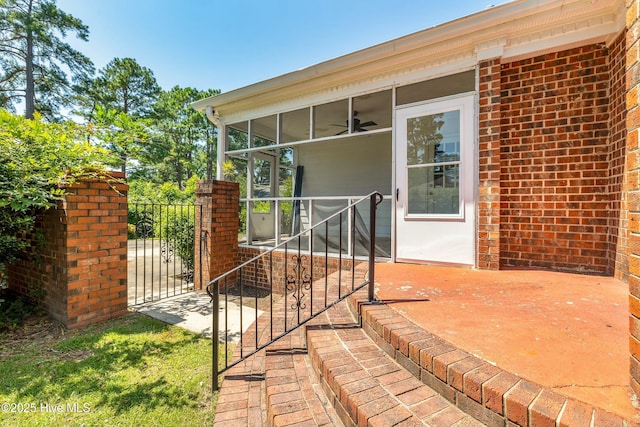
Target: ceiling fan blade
[(343, 132), (369, 123)]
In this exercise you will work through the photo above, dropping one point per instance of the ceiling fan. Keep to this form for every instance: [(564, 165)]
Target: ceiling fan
[(357, 125)]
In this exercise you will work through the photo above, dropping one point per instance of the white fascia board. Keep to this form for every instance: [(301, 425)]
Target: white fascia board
[(516, 29)]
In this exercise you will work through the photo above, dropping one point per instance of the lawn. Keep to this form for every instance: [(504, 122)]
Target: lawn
[(133, 371)]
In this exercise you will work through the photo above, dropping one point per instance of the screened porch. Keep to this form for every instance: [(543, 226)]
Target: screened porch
[(298, 167)]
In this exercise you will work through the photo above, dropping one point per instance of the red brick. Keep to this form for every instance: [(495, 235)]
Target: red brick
[(518, 399), (576, 414), (390, 417), (606, 419), (447, 417), (546, 408), (428, 354), (442, 362), (494, 390), (458, 370), (430, 407), (373, 408)]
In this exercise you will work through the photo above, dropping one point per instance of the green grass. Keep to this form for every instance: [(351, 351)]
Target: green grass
[(134, 371)]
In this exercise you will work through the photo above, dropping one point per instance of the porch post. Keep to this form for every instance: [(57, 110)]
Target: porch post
[(632, 181)]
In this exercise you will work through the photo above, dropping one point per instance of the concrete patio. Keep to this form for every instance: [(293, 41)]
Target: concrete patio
[(567, 332)]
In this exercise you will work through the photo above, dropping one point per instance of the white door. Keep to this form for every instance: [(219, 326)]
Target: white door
[(435, 170)]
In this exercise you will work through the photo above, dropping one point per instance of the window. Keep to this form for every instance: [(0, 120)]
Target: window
[(436, 88)]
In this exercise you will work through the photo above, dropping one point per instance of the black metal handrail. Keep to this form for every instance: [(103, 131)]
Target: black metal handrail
[(297, 278)]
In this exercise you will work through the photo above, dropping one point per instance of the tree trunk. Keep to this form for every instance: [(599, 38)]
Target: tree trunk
[(30, 93), (123, 168), (179, 175)]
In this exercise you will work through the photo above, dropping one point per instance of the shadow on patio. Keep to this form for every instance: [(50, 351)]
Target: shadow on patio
[(566, 332)]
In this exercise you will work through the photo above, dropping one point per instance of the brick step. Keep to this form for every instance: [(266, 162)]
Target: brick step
[(275, 387), (292, 390), (366, 386)]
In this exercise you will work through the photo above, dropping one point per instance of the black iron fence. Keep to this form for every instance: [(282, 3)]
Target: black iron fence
[(161, 250), (294, 282)]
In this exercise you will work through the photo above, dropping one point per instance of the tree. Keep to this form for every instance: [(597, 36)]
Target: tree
[(34, 59), (182, 135), (119, 133), (116, 104), (127, 87)]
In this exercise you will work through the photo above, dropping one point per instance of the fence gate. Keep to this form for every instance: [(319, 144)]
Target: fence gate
[(161, 251)]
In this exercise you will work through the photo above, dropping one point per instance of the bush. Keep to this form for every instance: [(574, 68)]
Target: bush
[(179, 230), (35, 158), (14, 309)]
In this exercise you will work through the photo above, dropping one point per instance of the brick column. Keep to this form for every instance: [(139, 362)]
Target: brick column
[(633, 188), (80, 255), (489, 166), (216, 229)]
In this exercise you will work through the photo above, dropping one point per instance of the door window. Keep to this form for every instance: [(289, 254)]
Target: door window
[(433, 165)]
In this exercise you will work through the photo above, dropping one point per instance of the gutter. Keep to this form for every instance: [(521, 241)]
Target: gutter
[(210, 113), (211, 116)]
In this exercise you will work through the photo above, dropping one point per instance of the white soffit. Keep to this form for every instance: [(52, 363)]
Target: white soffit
[(516, 30)]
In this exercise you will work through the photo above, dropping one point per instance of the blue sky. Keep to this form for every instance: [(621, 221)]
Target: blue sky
[(214, 44)]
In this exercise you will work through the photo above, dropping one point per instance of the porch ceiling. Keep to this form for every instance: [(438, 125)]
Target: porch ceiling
[(516, 29), (566, 332)]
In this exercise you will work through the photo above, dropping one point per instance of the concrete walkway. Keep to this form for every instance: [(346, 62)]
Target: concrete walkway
[(193, 311)]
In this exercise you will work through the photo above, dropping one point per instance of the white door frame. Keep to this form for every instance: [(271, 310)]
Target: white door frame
[(421, 235)]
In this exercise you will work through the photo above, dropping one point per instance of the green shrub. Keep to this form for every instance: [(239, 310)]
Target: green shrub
[(35, 158), (14, 309), (178, 229)]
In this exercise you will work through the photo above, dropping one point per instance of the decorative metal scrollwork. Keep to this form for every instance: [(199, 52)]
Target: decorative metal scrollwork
[(167, 252), (144, 228), (298, 281)]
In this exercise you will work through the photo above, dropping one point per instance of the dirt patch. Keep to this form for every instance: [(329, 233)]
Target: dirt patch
[(36, 330)]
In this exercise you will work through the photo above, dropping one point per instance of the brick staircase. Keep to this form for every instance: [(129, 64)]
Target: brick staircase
[(387, 372)]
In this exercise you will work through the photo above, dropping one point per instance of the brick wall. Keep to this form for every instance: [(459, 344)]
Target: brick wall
[(632, 181), (80, 260), (258, 273), (560, 137)]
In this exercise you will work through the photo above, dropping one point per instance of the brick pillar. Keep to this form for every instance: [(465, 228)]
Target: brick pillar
[(80, 255), (633, 187), (489, 166), (216, 229)]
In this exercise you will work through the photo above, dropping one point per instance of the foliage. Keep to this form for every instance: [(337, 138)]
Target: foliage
[(165, 212), (14, 309), (128, 372), (233, 172), (181, 134), (121, 134), (34, 58), (143, 191), (35, 157), (178, 230), (116, 104), (127, 87)]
